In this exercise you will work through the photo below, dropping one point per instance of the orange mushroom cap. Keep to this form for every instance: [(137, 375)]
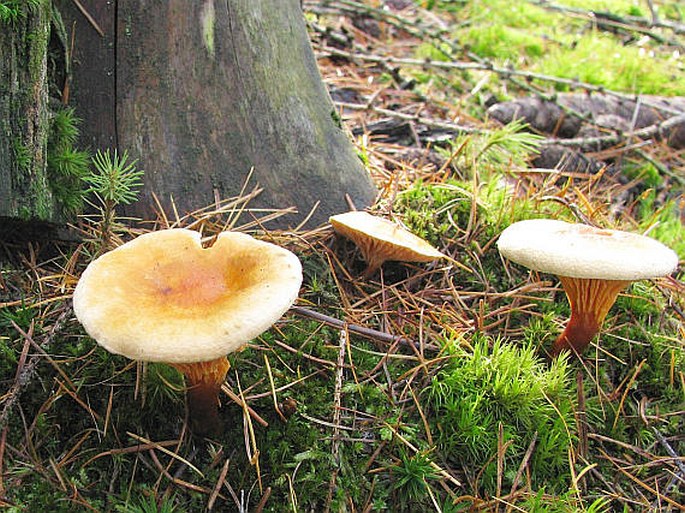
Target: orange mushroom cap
[(163, 297), (379, 239)]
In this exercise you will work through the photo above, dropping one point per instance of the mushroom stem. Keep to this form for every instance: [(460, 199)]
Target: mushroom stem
[(373, 266), (590, 300), (204, 380)]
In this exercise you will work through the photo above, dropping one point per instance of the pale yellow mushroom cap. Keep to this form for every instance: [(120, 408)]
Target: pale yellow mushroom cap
[(582, 251), (163, 297), (378, 237)]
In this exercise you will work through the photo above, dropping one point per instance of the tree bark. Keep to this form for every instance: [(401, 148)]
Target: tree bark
[(203, 92), (25, 193)]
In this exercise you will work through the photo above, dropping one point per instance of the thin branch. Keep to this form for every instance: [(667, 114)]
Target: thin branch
[(90, 18), (615, 21), (415, 118), (25, 375), (634, 21), (505, 72), (359, 330), (671, 452), (656, 130)]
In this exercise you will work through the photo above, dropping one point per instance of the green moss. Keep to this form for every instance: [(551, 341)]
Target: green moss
[(147, 502), (42, 206), (208, 20), (13, 10), (619, 7), (498, 41), (640, 335), (413, 474), (37, 494), (429, 52), (436, 212), (496, 387), (38, 44), (521, 15), (645, 173), (599, 59), (32, 198), (336, 118), (443, 211), (505, 31), (22, 156), (10, 349), (567, 502), (662, 221), (551, 43)]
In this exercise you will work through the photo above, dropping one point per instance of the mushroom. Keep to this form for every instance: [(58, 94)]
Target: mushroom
[(593, 265), (379, 240), (163, 297)]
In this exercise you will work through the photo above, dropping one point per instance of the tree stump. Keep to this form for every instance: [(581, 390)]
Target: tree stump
[(203, 92)]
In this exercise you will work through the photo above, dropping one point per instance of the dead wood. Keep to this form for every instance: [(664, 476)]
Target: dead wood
[(599, 119)]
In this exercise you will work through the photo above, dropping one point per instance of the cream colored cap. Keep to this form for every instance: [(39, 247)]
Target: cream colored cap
[(582, 251), (386, 237), (163, 297)]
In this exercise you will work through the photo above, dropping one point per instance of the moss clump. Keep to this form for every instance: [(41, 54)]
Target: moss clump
[(12, 10), (436, 212), (502, 42), (619, 7), (456, 207), (494, 388), (574, 47), (662, 221), (600, 60)]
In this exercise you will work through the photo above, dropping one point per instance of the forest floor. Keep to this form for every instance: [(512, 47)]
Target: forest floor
[(424, 387)]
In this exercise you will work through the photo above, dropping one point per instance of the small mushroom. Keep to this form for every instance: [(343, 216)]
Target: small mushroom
[(593, 265), (379, 240), (162, 297)]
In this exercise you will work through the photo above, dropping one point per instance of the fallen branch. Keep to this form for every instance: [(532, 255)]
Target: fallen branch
[(631, 22), (359, 330), (656, 130), (505, 72), (671, 452), (626, 118)]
